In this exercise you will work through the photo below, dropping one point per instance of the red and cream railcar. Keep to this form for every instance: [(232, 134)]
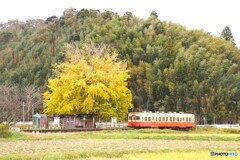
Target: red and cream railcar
[(160, 120)]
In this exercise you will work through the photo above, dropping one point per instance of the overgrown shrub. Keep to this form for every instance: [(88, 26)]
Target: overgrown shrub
[(4, 130), (234, 131)]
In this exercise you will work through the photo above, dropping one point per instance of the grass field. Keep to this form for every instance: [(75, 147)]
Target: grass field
[(122, 144)]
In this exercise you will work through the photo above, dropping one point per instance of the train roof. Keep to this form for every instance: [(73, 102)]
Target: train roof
[(160, 113)]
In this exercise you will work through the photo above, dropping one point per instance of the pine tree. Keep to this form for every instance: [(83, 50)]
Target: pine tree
[(227, 34)]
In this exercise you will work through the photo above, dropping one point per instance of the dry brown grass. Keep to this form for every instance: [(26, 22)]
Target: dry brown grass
[(64, 146)]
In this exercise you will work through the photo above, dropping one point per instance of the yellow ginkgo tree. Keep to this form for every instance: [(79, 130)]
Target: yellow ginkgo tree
[(91, 81)]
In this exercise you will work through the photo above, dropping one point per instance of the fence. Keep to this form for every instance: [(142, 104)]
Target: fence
[(110, 125), (234, 126)]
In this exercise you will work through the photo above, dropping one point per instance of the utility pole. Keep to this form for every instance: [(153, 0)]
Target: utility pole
[(23, 111)]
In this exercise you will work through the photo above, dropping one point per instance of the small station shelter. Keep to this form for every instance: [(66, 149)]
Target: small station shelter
[(40, 121), (72, 121)]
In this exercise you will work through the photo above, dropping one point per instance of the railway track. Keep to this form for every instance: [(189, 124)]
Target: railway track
[(70, 130)]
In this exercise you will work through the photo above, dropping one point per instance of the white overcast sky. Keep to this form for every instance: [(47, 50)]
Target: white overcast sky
[(210, 15)]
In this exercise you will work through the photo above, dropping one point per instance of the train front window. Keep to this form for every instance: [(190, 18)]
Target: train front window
[(137, 118), (130, 118)]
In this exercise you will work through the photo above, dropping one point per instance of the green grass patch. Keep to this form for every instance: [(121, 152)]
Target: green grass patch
[(179, 154), (209, 129), (151, 134), (16, 136), (200, 134)]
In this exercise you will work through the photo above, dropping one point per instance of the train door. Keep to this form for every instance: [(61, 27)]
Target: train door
[(131, 120)]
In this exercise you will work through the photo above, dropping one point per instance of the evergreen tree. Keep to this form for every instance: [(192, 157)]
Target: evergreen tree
[(227, 34)]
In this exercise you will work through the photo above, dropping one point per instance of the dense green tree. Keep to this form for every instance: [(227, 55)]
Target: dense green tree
[(153, 13), (227, 34), (51, 19), (5, 36), (83, 14)]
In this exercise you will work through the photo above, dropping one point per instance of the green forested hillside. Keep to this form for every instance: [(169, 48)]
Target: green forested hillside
[(172, 68)]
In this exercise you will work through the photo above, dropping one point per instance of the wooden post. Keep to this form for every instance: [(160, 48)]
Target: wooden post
[(84, 122)]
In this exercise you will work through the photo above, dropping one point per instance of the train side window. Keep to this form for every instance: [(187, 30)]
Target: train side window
[(166, 119), (170, 119), (149, 119), (163, 119), (159, 119), (180, 119), (152, 118), (173, 119), (130, 118), (183, 119), (186, 119), (177, 119), (145, 118), (137, 118)]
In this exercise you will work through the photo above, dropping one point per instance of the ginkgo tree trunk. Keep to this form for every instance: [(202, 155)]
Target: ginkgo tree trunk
[(90, 81)]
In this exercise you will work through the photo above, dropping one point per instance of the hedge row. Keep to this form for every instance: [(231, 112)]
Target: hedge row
[(4, 131)]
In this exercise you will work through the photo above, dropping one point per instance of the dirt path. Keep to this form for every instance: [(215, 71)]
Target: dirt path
[(57, 146)]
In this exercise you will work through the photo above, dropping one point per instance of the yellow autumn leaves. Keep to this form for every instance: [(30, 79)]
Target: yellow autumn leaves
[(91, 80)]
